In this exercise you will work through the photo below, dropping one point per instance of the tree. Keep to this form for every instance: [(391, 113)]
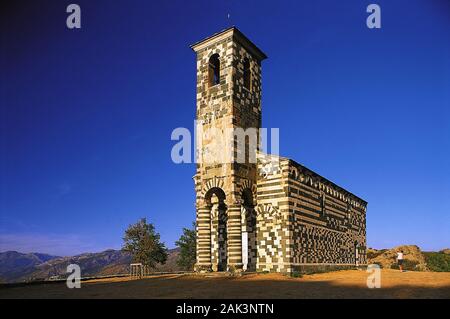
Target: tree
[(144, 244), (186, 243)]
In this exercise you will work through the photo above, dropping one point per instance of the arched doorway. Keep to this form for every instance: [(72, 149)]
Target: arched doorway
[(249, 248), (219, 258)]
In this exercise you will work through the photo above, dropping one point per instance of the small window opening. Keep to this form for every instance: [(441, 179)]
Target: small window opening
[(214, 70)]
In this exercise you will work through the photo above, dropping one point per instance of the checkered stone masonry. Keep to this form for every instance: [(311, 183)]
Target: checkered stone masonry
[(305, 221), (226, 105), (328, 222), (302, 219)]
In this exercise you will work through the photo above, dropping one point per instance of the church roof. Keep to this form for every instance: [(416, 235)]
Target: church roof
[(238, 36), (325, 180)]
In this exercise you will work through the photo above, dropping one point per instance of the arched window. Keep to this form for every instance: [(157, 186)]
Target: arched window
[(214, 70), (247, 74)]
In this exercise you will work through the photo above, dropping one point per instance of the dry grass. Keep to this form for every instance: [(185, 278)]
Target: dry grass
[(341, 284)]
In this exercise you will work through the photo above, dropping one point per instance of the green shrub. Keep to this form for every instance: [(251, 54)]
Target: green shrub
[(407, 265), (437, 261), (317, 271), (296, 274)]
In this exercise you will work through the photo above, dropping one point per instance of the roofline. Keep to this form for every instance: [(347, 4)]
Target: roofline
[(238, 36), (327, 180), (291, 161)]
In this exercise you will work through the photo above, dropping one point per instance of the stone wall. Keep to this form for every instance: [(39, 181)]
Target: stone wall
[(302, 219), (306, 220), (225, 106), (273, 226), (328, 222)]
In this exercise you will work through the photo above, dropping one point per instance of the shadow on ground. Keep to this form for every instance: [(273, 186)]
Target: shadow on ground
[(257, 286)]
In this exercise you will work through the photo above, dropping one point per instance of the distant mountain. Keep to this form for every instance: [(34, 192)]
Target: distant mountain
[(16, 267)]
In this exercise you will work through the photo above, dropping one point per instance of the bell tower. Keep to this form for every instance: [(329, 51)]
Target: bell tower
[(227, 139)]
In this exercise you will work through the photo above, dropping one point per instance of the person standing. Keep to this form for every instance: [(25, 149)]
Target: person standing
[(400, 260)]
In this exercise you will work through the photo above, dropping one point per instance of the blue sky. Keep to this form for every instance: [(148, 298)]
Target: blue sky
[(86, 115)]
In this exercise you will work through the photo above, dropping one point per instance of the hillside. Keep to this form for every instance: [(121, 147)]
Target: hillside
[(15, 267), (414, 258)]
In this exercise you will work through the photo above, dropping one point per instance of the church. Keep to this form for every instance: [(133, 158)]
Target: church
[(265, 212)]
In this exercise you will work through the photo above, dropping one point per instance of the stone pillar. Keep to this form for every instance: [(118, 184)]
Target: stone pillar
[(234, 238), (215, 237), (244, 233), (356, 255), (203, 239)]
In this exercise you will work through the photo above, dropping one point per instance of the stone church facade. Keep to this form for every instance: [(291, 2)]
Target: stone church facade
[(266, 212)]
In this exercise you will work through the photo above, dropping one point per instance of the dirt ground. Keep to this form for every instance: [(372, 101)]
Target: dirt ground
[(339, 284)]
